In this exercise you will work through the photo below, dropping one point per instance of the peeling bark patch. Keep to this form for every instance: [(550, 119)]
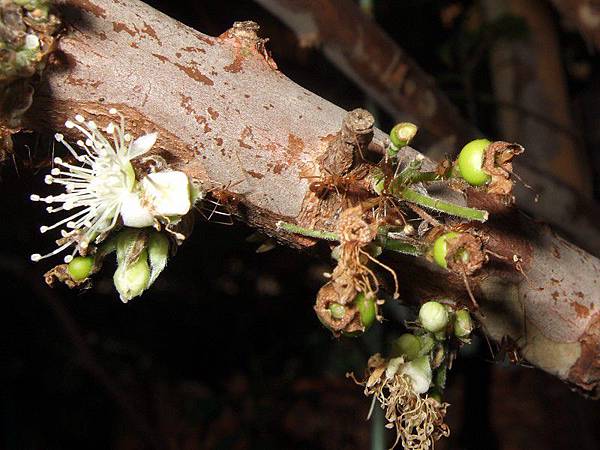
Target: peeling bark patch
[(254, 174), (120, 26), (236, 65), (581, 310), (162, 58), (93, 8), (246, 133), (212, 113), (195, 74), (82, 82), (191, 49), (148, 30), (295, 146), (585, 373)]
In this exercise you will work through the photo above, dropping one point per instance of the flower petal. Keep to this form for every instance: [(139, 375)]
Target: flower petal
[(133, 213), (141, 145)]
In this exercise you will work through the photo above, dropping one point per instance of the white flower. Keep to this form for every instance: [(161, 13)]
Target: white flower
[(100, 185)]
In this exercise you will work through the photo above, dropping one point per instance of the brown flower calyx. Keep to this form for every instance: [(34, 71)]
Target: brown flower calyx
[(353, 139), (60, 274), (328, 296), (497, 163), (465, 254)]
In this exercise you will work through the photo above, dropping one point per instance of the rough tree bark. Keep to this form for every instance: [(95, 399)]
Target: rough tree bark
[(229, 119), (381, 68)]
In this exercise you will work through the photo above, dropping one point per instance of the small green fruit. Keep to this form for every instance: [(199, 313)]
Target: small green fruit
[(367, 309), (80, 267), (337, 311), (433, 316), (470, 162), (440, 248), (463, 325), (407, 345)]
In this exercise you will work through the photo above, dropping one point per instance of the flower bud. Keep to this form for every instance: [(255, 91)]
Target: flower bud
[(463, 325), (367, 309), (131, 280), (433, 316), (419, 372), (407, 345)]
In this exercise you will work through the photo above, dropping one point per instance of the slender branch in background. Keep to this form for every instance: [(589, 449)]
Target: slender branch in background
[(585, 15), (529, 71), (355, 44), (200, 94)]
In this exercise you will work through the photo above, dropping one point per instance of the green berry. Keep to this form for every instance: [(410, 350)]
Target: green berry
[(80, 267), (367, 309), (470, 162), (463, 325), (433, 316), (407, 345), (440, 248)]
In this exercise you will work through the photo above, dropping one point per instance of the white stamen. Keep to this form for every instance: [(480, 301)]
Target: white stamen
[(96, 186)]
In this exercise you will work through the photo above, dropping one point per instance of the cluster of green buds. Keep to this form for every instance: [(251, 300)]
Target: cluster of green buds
[(425, 352), (142, 254)]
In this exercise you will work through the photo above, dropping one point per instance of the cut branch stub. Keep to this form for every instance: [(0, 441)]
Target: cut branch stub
[(354, 137)]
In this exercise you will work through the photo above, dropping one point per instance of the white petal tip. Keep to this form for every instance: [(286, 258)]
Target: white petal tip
[(79, 118), (36, 257), (69, 124), (68, 259), (112, 111), (34, 198)]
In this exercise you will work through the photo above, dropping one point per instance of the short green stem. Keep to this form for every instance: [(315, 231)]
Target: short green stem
[(436, 204), (296, 229), (395, 245)]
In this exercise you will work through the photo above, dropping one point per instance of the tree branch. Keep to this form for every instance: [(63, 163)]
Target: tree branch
[(230, 120), (585, 14)]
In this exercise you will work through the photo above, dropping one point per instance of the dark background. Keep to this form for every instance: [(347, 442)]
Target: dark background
[(224, 352)]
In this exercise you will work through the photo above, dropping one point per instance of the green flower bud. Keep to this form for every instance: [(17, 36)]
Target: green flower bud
[(470, 162), (80, 267), (407, 345), (440, 377), (433, 316), (419, 372), (367, 308), (463, 325), (131, 280)]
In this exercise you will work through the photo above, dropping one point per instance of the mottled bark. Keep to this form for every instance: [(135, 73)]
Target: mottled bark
[(230, 120)]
